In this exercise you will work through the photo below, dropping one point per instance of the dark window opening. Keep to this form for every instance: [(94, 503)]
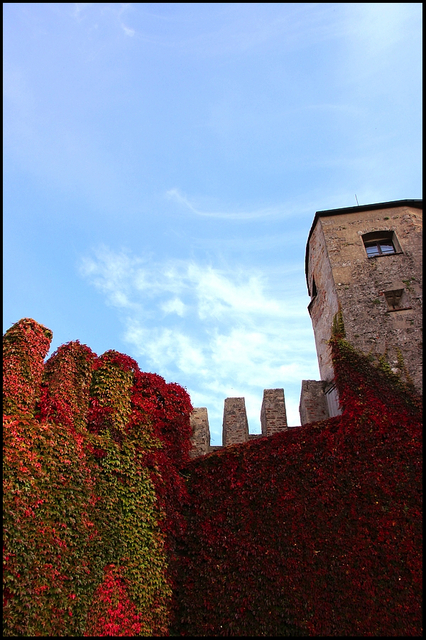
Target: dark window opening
[(380, 243), (313, 296), (393, 298), (397, 300)]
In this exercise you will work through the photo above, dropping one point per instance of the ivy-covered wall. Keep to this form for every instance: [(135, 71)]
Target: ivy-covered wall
[(93, 491), (110, 529), (313, 531)]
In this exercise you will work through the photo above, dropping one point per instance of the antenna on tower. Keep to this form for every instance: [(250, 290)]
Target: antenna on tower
[(356, 200)]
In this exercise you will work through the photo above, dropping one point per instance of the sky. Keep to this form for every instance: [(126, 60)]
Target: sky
[(163, 163)]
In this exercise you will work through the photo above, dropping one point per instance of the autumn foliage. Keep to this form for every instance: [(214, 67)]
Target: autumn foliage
[(93, 491), (110, 529), (314, 531)]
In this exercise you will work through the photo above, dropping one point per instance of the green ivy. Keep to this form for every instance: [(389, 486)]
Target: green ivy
[(110, 529), (90, 498)]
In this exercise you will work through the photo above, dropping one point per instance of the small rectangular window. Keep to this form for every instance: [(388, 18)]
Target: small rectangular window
[(397, 300), (380, 243), (393, 299)]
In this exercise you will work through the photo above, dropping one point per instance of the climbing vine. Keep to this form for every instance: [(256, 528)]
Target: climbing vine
[(110, 529), (25, 345), (90, 496), (313, 531)]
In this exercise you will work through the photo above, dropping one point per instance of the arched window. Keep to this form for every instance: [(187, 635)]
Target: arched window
[(380, 243)]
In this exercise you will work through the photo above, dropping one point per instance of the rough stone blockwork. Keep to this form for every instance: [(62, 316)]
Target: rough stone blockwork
[(273, 417), (313, 404), (235, 425), (379, 292), (200, 432)]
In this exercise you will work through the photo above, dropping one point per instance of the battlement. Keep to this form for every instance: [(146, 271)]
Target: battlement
[(318, 401), (235, 429)]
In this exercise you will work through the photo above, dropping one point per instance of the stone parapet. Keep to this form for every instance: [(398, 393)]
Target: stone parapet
[(200, 432), (313, 403), (273, 417), (235, 424)]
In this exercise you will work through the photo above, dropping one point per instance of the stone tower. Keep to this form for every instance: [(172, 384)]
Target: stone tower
[(367, 260)]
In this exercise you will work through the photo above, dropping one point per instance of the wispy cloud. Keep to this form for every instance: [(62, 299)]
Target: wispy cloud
[(114, 9), (79, 7), (128, 31), (218, 332), (177, 196)]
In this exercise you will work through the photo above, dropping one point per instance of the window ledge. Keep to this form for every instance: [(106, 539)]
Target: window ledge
[(400, 309)]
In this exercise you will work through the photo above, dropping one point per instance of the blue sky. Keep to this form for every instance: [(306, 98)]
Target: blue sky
[(163, 164)]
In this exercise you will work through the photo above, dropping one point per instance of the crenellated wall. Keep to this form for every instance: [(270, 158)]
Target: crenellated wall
[(313, 405), (235, 429), (235, 424)]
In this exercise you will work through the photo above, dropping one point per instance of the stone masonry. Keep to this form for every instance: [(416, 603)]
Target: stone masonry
[(235, 425), (273, 417), (313, 405), (200, 432), (380, 296)]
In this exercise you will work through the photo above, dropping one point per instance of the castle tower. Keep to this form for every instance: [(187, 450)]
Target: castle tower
[(368, 260)]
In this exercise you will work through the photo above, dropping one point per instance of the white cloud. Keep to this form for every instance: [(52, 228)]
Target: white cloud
[(112, 274), (174, 305), (217, 332), (166, 349)]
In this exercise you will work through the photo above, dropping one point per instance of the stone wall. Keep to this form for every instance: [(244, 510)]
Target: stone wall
[(324, 301)]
